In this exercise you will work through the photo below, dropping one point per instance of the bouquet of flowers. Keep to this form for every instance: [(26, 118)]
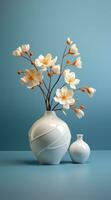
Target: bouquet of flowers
[(33, 78)]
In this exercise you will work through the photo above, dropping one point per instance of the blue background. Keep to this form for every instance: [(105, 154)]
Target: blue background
[(46, 25)]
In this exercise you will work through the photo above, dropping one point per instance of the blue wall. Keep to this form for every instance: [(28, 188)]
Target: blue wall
[(46, 25)]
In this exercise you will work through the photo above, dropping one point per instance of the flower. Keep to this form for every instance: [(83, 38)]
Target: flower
[(17, 52), (77, 62), (32, 78), (74, 50), (69, 41), (79, 113), (25, 48), (56, 69), (70, 78), (45, 61), (64, 96), (91, 91)]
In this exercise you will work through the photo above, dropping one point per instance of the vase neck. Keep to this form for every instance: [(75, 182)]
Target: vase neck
[(80, 136), (50, 113)]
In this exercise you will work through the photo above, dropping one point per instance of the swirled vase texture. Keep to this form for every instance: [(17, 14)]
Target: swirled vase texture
[(49, 138)]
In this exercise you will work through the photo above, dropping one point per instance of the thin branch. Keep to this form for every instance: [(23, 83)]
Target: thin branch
[(44, 96), (45, 85), (59, 109), (48, 94), (60, 71), (55, 106), (26, 58)]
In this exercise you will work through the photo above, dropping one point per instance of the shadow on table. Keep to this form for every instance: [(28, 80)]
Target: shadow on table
[(31, 162)]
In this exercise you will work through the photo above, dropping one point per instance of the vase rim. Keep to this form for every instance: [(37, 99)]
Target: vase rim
[(50, 112), (80, 136)]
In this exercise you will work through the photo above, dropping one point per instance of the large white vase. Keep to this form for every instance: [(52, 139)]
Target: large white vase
[(49, 138)]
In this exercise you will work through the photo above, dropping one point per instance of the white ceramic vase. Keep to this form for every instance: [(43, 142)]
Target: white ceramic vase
[(79, 150), (49, 138)]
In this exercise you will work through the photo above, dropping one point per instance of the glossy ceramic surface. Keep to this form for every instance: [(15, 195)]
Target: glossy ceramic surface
[(79, 150), (49, 138)]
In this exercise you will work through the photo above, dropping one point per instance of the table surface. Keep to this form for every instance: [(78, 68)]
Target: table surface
[(21, 177)]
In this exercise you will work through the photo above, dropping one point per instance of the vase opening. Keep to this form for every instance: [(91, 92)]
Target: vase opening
[(79, 136)]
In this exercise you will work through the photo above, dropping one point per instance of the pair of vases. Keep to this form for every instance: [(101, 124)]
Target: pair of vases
[(50, 139)]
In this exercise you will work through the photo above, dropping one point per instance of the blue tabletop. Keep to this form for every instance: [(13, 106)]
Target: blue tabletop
[(21, 177)]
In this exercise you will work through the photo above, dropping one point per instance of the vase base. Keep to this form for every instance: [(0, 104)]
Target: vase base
[(45, 163)]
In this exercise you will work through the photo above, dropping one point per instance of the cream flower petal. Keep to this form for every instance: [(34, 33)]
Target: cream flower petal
[(70, 79), (54, 61), (78, 62), (71, 101), (49, 55), (45, 61), (91, 91), (18, 52), (66, 106), (73, 86), (56, 99), (66, 72), (24, 80), (58, 92), (74, 50), (32, 78), (25, 48), (77, 81), (65, 97), (69, 41), (56, 69), (79, 113), (73, 74)]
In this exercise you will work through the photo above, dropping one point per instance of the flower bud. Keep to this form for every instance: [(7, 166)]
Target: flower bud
[(31, 53), (50, 74), (82, 107), (19, 72), (83, 89), (67, 62)]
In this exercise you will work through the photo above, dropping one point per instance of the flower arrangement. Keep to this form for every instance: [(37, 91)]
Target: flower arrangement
[(64, 95)]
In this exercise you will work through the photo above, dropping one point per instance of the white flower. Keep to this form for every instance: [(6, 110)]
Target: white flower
[(56, 69), (17, 52), (69, 41), (65, 97), (79, 113), (32, 78), (91, 91), (70, 78), (45, 61), (74, 50), (25, 48), (78, 62)]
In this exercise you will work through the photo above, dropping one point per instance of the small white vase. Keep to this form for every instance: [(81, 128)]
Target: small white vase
[(79, 150), (49, 138)]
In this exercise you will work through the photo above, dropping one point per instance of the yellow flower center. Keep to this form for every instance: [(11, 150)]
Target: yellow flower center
[(64, 97), (31, 76), (45, 61), (71, 80)]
